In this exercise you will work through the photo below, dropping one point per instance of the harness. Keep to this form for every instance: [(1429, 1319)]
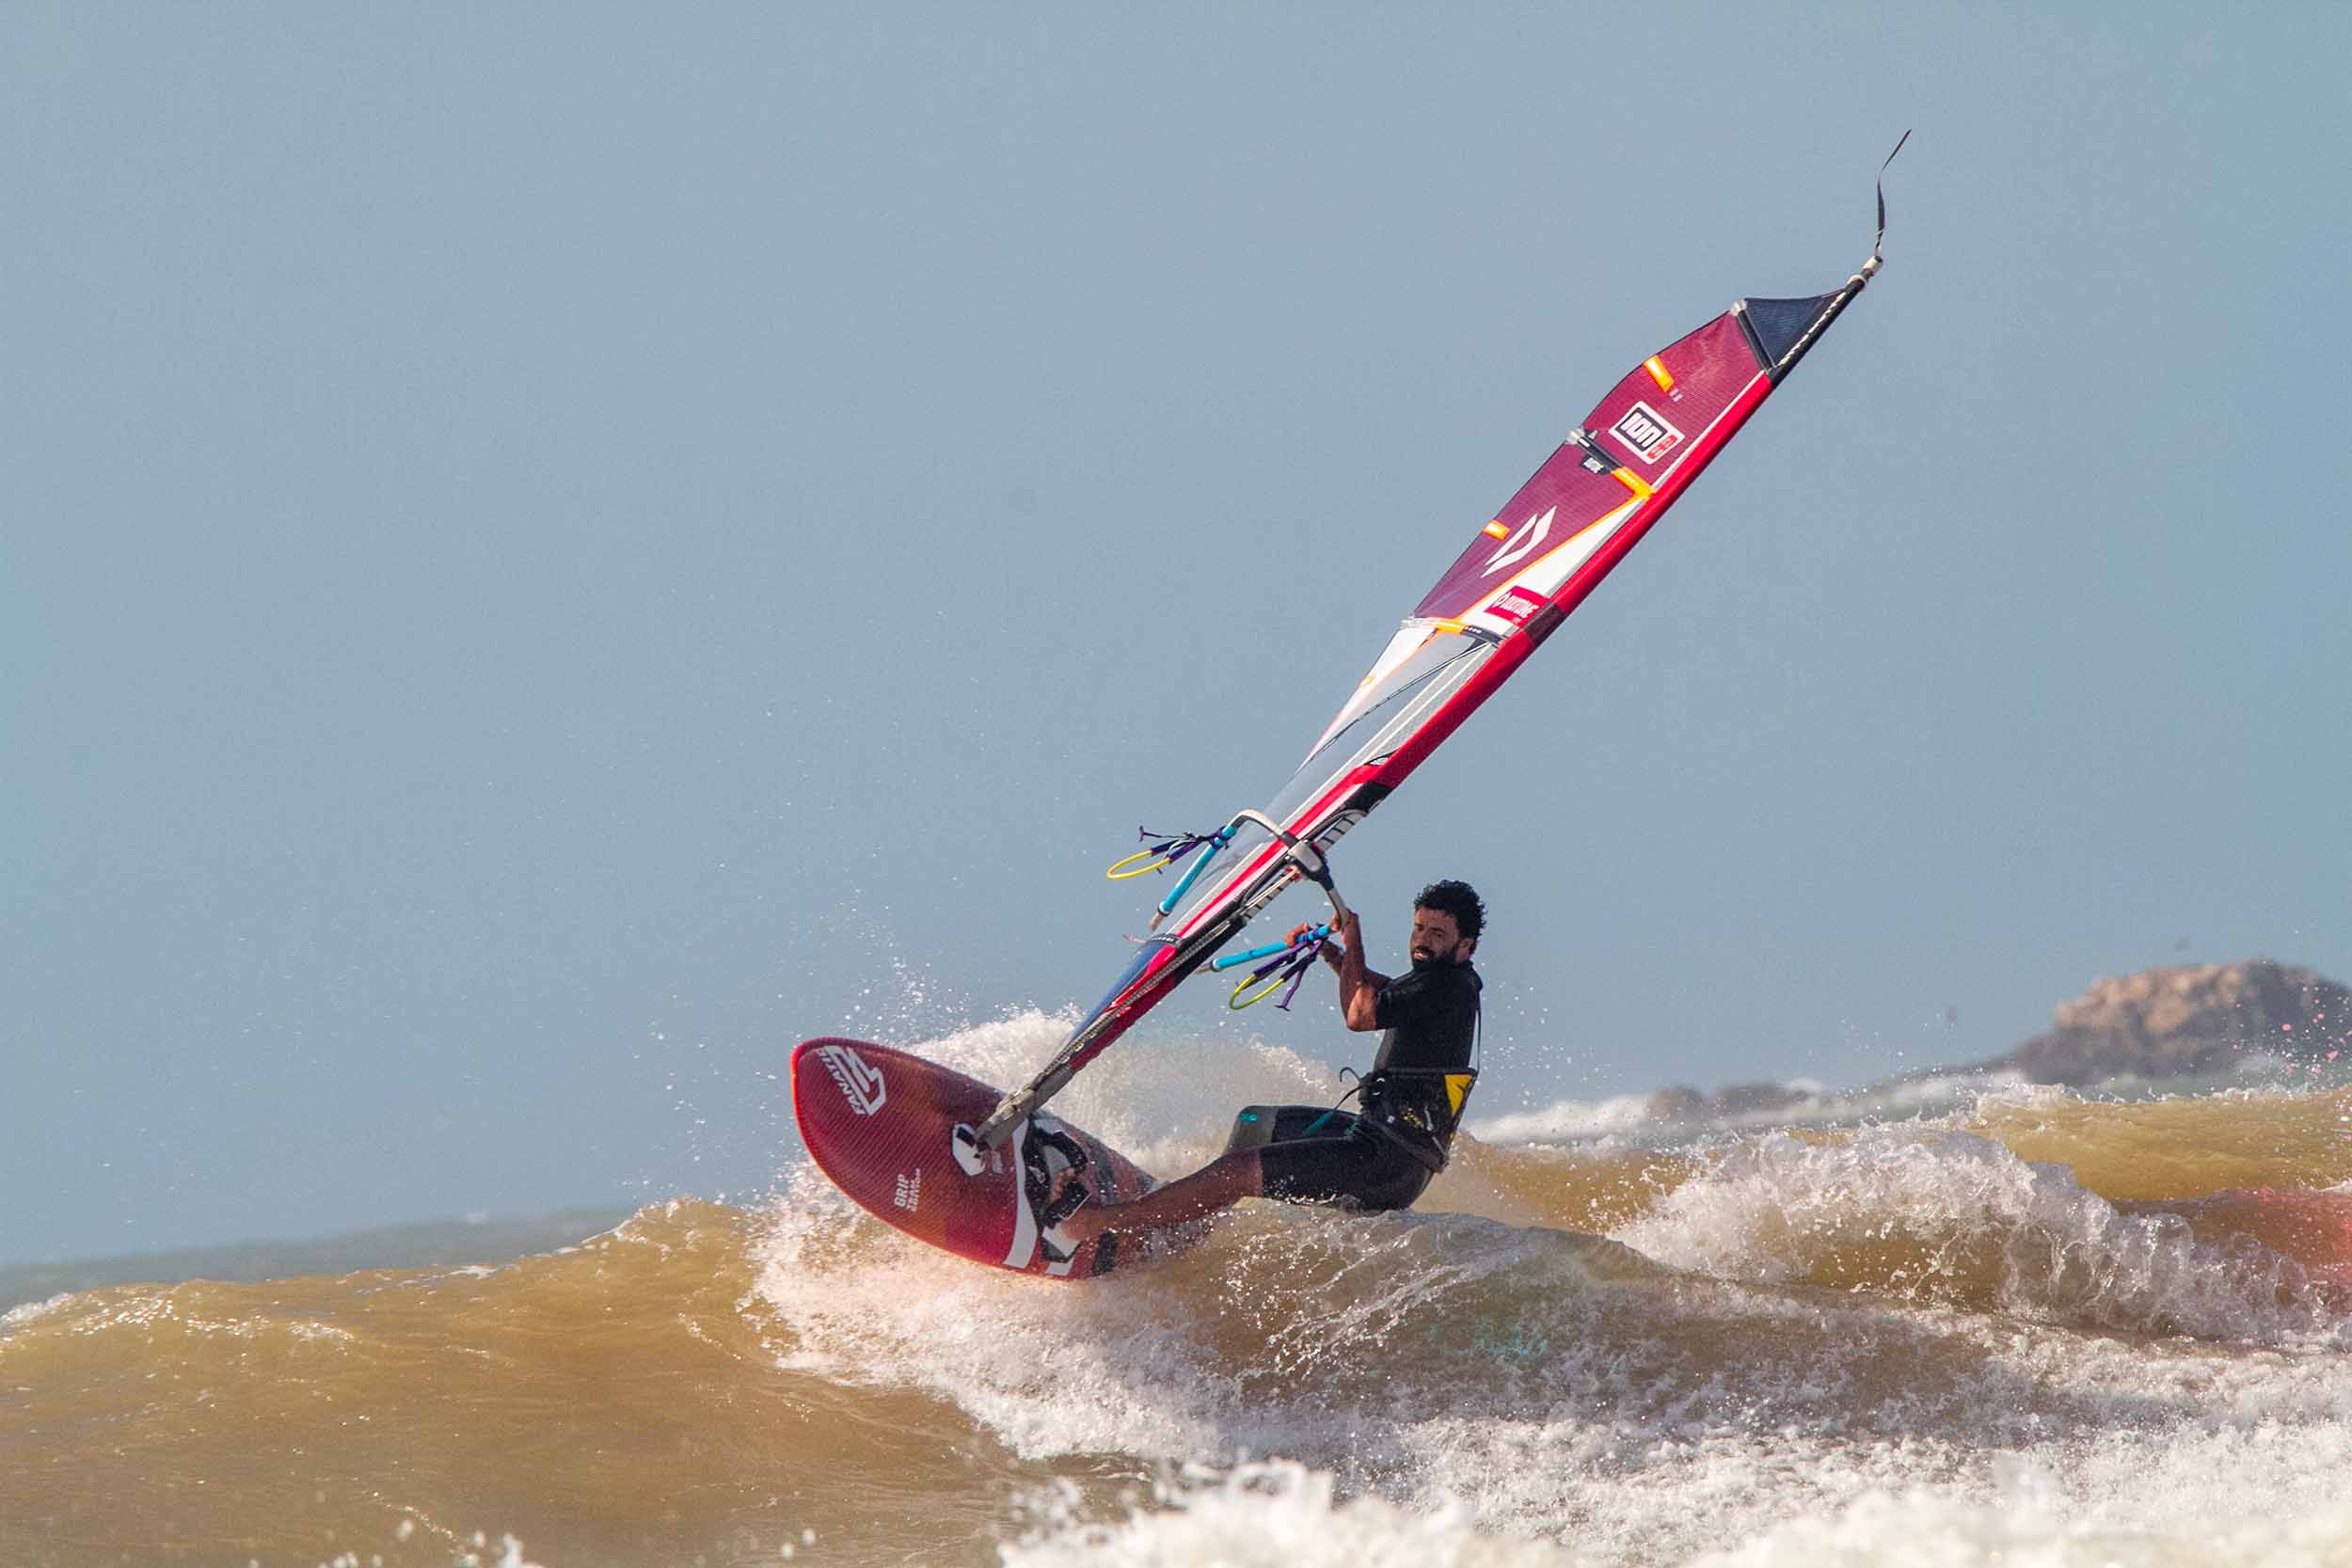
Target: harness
[(1422, 1123)]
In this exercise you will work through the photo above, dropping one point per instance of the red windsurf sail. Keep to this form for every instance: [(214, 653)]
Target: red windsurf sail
[(1522, 573)]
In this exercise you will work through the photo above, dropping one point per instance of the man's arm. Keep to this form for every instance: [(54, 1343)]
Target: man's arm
[(1360, 988)]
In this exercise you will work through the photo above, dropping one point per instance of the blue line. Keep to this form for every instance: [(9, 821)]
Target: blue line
[(1200, 863)]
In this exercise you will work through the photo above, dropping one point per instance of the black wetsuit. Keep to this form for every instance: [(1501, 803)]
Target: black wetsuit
[(1382, 1156)]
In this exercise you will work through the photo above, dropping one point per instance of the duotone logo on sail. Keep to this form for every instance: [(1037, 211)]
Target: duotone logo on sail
[(861, 1085)]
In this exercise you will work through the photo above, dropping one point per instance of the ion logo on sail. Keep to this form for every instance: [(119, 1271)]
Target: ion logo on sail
[(861, 1086), (1647, 432)]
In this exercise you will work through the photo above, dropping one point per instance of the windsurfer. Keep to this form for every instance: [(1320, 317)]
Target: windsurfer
[(1380, 1156)]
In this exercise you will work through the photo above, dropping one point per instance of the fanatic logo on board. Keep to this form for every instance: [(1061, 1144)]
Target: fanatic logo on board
[(1645, 429), (861, 1086)]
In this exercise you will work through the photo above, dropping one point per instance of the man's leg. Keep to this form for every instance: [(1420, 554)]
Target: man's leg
[(1223, 1181)]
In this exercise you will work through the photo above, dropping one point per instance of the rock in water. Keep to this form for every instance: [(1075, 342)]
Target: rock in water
[(2199, 1019)]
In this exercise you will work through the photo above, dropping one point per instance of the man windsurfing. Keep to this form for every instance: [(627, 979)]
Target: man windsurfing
[(1380, 1156)]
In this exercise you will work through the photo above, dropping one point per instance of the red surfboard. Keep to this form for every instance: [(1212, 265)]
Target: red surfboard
[(882, 1123)]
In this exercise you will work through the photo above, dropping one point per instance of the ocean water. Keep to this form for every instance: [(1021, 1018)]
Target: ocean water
[(2022, 1328)]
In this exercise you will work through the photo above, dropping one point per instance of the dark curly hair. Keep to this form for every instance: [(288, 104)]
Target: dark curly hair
[(1458, 899)]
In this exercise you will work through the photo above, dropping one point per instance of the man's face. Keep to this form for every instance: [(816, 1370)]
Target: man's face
[(1437, 939)]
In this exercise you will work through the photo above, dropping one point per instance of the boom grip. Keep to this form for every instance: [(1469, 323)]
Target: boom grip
[(1209, 848)]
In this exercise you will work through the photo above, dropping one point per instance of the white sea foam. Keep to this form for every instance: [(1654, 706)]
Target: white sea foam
[(1440, 1388), (24, 1312), (1812, 1104), (1273, 1514), (1049, 1370), (1564, 1121), (1542, 1405), (1771, 1207)]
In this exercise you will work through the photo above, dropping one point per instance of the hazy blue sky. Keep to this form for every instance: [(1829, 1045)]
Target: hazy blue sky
[(552, 551)]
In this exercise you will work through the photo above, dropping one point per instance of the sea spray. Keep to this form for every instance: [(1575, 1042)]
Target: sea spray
[(1848, 1346), (1947, 1218)]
